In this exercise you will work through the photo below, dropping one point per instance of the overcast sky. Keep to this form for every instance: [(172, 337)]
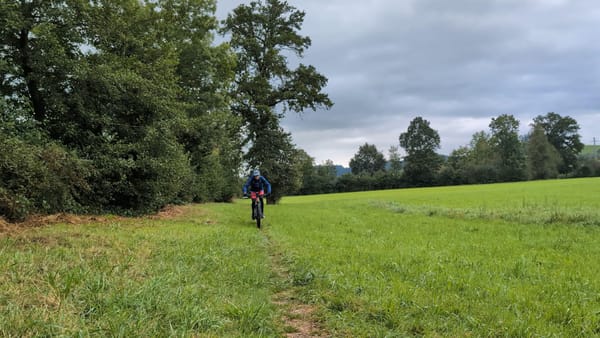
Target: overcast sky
[(455, 63)]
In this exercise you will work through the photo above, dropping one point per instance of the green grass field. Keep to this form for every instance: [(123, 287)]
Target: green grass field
[(513, 260)]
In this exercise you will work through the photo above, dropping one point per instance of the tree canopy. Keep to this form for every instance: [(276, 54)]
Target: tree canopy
[(506, 144), (562, 133), (132, 95), (368, 160), (265, 87), (420, 142), (543, 160)]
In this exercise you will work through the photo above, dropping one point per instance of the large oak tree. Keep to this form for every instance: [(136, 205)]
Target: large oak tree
[(263, 35)]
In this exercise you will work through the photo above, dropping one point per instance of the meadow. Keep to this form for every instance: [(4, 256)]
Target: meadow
[(513, 260)]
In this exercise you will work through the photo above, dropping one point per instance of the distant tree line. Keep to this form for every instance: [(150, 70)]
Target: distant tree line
[(551, 149), (126, 106)]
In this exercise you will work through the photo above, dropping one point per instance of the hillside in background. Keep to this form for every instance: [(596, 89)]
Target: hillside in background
[(591, 150), (341, 170)]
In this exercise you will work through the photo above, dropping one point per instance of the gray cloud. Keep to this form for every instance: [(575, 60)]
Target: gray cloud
[(455, 63)]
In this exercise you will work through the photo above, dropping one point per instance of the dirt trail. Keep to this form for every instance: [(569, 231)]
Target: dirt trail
[(299, 319)]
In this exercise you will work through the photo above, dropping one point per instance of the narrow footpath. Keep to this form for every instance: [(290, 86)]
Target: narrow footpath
[(299, 319)]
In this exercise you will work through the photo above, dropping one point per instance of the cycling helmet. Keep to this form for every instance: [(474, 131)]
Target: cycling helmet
[(255, 172)]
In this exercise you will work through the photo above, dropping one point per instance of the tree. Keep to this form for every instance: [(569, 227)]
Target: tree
[(38, 178), (126, 113), (211, 134), (368, 160), (395, 160), (562, 134), (505, 142), (279, 161), (420, 142), (542, 158), (41, 47), (482, 151), (320, 179), (260, 34), (453, 170), (133, 89)]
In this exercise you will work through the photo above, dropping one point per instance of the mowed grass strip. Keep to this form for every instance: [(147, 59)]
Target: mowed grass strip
[(455, 261), (189, 276)]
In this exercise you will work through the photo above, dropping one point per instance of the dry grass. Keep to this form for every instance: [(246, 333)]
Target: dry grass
[(35, 221)]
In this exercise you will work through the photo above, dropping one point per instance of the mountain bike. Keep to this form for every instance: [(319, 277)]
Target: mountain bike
[(257, 206)]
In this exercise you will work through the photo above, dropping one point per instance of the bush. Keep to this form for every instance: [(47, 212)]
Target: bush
[(588, 168), (39, 178), (135, 178)]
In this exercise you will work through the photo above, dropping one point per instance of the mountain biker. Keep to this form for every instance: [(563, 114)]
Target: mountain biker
[(257, 184)]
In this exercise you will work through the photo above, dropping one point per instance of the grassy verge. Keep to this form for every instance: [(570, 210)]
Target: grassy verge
[(189, 276)]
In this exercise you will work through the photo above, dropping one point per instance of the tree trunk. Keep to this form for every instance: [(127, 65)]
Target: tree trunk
[(33, 88)]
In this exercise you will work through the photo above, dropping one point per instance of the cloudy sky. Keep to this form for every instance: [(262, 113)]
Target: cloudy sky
[(455, 63)]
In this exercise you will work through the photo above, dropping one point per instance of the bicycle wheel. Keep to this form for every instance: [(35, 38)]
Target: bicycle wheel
[(258, 213)]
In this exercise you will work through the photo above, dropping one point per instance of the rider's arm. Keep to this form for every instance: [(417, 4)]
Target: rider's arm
[(267, 185)]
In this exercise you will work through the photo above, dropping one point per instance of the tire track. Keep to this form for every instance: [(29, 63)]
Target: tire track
[(298, 318)]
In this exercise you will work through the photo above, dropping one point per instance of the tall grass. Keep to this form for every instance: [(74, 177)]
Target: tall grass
[(461, 261), (512, 260), (187, 277)]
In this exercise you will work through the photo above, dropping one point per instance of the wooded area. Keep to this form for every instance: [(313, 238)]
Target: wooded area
[(127, 106)]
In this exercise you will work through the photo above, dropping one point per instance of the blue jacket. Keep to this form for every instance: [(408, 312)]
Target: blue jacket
[(257, 185)]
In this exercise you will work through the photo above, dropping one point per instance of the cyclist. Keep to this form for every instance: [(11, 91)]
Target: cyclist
[(257, 184)]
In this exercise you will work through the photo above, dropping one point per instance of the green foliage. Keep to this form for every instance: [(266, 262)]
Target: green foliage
[(592, 151), (260, 33), (367, 161), (319, 179), (41, 47), (214, 144), (279, 161), (135, 89), (589, 162), (588, 167), (495, 157), (505, 142), (562, 133), (140, 177), (39, 178), (542, 158), (395, 161), (472, 164), (420, 142)]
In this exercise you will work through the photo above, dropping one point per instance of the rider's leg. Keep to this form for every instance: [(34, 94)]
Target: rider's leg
[(252, 209)]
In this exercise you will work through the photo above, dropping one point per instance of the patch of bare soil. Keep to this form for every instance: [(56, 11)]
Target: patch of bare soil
[(299, 319)]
